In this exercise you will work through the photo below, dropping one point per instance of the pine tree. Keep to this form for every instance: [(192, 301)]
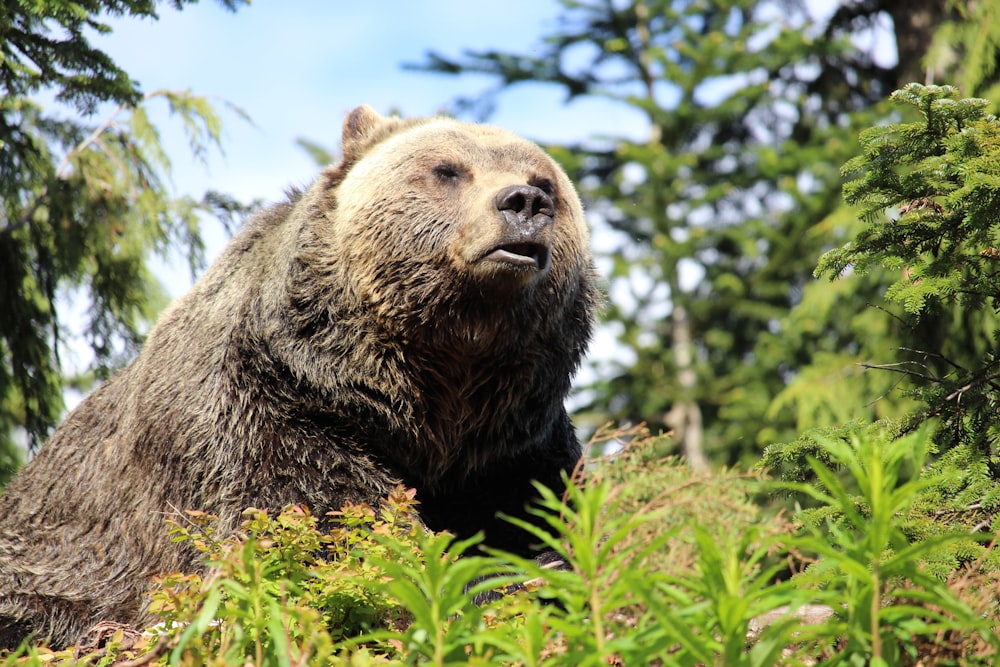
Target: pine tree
[(926, 189), (749, 115), (84, 201), (855, 335), (929, 194)]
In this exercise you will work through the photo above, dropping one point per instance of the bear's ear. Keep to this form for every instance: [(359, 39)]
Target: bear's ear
[(363, 128)]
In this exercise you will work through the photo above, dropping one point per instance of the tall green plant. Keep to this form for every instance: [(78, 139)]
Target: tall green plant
[(869, 570), (436, 585), (381, 590)]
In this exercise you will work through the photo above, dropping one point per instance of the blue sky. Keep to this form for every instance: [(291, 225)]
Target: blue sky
[(298, 66)]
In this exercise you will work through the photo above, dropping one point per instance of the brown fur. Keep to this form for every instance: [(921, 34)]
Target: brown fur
[(352, 338)]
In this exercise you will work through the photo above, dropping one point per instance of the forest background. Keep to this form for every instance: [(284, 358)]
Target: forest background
[(712, 176), (802, 277)]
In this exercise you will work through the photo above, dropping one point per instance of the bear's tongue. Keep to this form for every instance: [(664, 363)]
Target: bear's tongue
[(525, 255)]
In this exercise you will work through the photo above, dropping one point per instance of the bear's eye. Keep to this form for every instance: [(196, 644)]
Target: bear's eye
[(448, 172), (543, 184)]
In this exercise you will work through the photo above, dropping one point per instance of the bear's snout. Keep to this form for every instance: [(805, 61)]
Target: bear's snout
[(526, 213), (525, 201)]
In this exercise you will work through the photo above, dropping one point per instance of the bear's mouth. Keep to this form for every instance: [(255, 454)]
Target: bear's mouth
[(521, 255)]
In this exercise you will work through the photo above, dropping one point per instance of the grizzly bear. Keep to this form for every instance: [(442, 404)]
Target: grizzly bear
[(414, 317)]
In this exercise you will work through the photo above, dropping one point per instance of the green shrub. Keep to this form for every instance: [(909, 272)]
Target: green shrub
[(683, 575)]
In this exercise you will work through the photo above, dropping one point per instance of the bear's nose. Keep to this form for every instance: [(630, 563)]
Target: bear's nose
[(523, 237), (526, 201)]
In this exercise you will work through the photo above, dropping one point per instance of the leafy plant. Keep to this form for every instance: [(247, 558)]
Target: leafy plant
[(666, 584), (867, 569)]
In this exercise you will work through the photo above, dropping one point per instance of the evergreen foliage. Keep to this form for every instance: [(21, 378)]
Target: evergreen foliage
[(84, 203), (929, 193), (965, 49), (720, 211)]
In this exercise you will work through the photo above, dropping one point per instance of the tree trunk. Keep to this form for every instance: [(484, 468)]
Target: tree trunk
[(914, 25), (684, 416)]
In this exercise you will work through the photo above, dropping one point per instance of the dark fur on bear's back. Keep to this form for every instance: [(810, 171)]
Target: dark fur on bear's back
[(371, 331)]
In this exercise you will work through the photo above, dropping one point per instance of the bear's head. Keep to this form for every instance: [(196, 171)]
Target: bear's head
[(460, 229)]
